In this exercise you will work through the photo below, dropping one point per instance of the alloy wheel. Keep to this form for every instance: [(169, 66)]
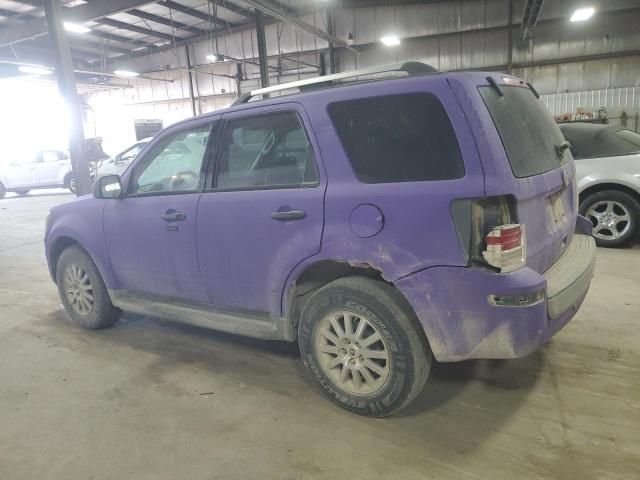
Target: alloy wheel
[(352, 352), (78, 289), (610, 219)]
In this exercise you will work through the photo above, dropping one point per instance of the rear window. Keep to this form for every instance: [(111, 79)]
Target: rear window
[(398, 138), (593, 141), (527, 129)]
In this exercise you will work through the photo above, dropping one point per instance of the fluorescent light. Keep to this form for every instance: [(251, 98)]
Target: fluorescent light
[(35, 70), (75, 28), (125, 73), (215, 57), (390, 40), (582, 14)]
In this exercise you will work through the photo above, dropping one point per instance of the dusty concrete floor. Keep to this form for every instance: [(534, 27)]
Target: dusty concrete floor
[(155, 400)]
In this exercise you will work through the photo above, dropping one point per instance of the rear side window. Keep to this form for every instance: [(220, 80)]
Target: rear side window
[(527, 129), (398, 138)]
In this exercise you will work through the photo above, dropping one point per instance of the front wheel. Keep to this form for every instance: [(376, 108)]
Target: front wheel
[(363, 346), (614, 215), (82, 291)]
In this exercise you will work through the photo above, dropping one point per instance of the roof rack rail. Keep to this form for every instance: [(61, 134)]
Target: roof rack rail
[(411, 68)]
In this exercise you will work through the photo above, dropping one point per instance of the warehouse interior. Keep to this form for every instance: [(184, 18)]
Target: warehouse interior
[(151, 398)]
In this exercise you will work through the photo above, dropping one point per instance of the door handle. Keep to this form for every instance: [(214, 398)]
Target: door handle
[(289, 215), (173, 216)]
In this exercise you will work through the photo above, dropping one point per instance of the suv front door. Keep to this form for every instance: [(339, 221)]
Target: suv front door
[(150, 233), (262, 213)]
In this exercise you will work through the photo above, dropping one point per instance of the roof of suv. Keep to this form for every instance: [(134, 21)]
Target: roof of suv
[(473, 77)]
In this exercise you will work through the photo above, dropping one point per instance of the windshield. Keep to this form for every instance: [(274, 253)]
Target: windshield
[(527, 130)]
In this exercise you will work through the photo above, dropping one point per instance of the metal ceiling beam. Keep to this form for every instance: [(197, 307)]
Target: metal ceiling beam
[(134, 28), (232, 7), (530, 18), (270, 8), (80, 14), (165, 21), (205, 17)]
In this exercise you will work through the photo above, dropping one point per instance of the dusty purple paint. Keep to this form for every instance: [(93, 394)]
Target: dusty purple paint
[(230, 252)]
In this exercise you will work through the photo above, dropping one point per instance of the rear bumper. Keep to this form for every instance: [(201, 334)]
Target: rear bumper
[(452, 303)]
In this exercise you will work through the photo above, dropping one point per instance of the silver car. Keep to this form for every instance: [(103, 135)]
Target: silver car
[(608, 176)]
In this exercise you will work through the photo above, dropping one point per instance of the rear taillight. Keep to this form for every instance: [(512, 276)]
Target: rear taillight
[(489, 232), (506, 247)]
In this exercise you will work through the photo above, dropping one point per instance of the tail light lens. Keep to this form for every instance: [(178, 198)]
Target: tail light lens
[(489, 232), (506, 247)]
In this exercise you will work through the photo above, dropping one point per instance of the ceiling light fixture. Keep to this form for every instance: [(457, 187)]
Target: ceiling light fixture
[(582, 14), (125, 73), (390, 40), (75, 28), (35, 70), (215, 57)]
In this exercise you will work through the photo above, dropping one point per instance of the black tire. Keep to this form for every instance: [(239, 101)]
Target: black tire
[(409, 355), (621, 198), (22, 192), (3, 191), (102, 314), (69, 182)]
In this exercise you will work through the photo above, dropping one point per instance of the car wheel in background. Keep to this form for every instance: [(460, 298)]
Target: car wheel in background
[(614, 215), (70, 183), (22, 192), (82, 290), (363, 346), (3, 190)]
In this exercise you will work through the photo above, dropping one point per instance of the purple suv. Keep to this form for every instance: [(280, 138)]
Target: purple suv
[(377, 223)]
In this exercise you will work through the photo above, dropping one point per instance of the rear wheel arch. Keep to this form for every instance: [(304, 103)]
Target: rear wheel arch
[(323, 272)]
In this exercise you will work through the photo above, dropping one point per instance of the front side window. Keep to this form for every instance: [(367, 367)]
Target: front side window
[(266, 151), (398, 138), (174, 164)]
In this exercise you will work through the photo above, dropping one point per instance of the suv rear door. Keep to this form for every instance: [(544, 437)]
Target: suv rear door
[(262, 211)]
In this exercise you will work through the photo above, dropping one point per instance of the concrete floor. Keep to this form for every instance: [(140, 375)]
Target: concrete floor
[(155, 400)]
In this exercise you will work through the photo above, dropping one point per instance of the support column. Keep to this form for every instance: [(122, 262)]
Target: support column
[(510, 40), (330, 31), (262, 49), (67, 87), (191, 96)]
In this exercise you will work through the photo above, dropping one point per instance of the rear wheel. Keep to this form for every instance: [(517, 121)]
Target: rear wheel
[(363, 347), (83, 292), (614, 215)]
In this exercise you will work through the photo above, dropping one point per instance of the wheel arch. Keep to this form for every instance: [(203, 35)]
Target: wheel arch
[(601, 187), (61, 243), (321, 272)]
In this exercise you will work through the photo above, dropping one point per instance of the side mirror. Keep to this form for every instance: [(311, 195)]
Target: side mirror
[(108, 187)]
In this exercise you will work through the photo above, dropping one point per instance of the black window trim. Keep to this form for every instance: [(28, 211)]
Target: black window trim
[(212, 171), (147, 149)]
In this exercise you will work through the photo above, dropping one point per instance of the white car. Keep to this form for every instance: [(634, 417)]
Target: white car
[(608, 176), (119, 163), (48, 169)]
